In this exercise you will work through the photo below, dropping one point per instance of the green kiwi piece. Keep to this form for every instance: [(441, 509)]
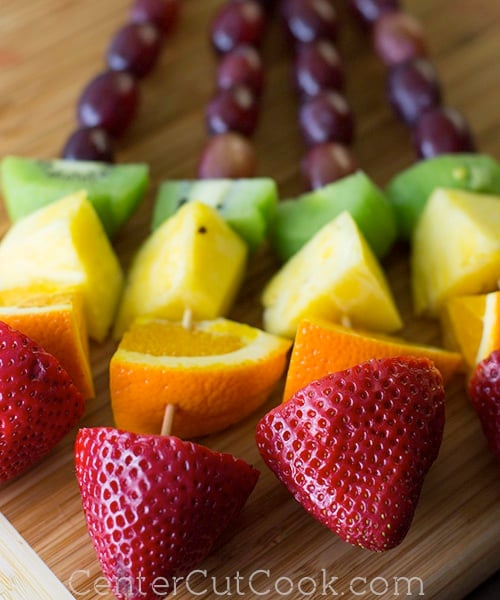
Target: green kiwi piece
[(409, 190), (114, 190), (297, 220), (247, 205)]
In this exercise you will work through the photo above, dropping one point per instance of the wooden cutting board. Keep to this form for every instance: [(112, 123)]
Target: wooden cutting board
[(48, 51)]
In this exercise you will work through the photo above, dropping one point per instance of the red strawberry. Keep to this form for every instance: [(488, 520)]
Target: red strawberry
[(354, 447), (484, 392), (155, 505), (39, 403)]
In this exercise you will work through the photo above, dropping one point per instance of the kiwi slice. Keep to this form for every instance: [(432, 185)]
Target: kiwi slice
[(114, 190), (297, 220), (409, 190), (247, 205)]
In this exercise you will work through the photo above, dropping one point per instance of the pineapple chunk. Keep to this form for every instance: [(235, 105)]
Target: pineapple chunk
[(193, 260), (63, 247), (456, 248), (335, 276)]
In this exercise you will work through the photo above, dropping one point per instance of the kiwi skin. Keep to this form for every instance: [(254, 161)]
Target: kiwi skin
[(114, 190), (409, 190), (247, 205), (298, 219)]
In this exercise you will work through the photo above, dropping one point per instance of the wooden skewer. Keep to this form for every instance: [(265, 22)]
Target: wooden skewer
[(168, 419), (345, 321), (168, 415), (187, 319)]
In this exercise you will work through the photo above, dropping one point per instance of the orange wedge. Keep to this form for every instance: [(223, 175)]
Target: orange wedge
[(55, 321), (214, 372), (322, 347), (471, 325)]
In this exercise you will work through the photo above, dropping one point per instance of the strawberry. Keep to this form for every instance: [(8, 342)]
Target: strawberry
[(155, 505), (354, 447), (484, 392), (39, 403)]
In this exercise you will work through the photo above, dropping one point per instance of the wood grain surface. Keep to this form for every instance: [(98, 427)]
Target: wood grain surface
[(48, 51)]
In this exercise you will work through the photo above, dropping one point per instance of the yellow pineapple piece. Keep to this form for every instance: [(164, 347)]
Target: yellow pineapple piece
[(194, 260), (63, 247), (471, 324), (336, 277), (456, 248)]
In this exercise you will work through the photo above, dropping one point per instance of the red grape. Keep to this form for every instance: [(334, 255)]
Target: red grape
[(228, 155), (318, 66), (89, 143), (326, 117), (310, 20), (242, 66), (163, 13), (369, 11), (397, 37), (442, 130), (232, 110), (326, 163), (238, 23), (109, 101), (413, 88), (135, 48), (267, 5)]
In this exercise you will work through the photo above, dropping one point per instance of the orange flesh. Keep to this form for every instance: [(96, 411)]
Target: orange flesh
[(176, 340)]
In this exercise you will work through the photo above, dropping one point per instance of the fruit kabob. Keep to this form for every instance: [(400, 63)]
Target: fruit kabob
[(85, 268), (123, 445), (326, 471)]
